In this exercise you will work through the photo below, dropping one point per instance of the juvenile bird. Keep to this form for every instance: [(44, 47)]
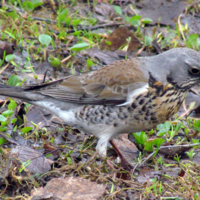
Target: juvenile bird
[(124, 97)]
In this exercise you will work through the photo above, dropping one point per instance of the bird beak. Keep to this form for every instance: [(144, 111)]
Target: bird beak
[(194, 91)]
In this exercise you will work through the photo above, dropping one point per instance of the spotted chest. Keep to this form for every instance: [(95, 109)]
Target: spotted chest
[(156, 107), (146, 111)]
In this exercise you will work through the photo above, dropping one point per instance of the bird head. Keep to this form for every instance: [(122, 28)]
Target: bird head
[(183, 68)]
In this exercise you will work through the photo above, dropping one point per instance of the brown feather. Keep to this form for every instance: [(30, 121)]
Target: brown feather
[(109, 85)]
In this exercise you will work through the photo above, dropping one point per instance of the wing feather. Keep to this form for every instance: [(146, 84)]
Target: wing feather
[(113, 84)]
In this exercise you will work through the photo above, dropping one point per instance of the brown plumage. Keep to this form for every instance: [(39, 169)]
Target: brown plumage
[(126, 96)]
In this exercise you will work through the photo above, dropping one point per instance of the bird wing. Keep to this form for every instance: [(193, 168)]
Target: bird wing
[(111, 85)]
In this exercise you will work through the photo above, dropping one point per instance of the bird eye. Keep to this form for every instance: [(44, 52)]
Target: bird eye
[(195, 70)]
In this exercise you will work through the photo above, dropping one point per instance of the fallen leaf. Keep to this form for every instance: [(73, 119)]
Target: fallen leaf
[(126, 150), (69, 188), (38, 162), (35, 115), (7, 47), (119, 38)]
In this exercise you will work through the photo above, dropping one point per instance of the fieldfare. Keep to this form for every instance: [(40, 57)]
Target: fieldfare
[(123, 97)]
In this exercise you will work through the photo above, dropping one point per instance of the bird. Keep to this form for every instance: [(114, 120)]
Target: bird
[(126, 96)]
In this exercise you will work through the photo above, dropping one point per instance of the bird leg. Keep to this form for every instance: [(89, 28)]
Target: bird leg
[(102, 146)]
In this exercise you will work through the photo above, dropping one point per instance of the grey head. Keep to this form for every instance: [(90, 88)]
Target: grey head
[(179, 66)]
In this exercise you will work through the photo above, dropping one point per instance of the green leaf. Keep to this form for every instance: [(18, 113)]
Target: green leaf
[(3, 129), (3, 141), (77, 33), (55, 62), (127, 19), (1, 61), (148, 146), (146, 20), (118, 10), (147, 40), (7, 113), (14, 120), (44, 39), (195, 141), (69, 160), (162, 132), (89, 62), (13, 15), (135, 20), (151, 143), (12, 1), (196, 124), (158, 142), (75, 22), (68, 21), (15, 128), (13, 80), (9, 57), (28, 6), (26, 129), (191, 41), (65, 12), (151, 132), (37, 3), (108, 42), (63, 15), (186, 131), (140, 137), (10, 34), (80, 46), (52, 140), (2, 118), (178, 127), (163, 128), (48, 155), (4, 123), (12, 105)]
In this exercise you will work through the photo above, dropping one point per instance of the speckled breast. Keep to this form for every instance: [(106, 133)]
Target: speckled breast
[(147, 111), (156, 107)]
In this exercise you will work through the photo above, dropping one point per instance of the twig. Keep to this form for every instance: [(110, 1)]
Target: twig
[(96, 27), (89, 28), (66, 59), (4, 68), (46, 20), (170, 146), (45, 74)]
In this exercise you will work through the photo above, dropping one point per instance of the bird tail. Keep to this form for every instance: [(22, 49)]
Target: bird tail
[(27, 93), (17, 92)]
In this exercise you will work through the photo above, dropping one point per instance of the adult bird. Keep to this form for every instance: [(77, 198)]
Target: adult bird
[(123, 97)]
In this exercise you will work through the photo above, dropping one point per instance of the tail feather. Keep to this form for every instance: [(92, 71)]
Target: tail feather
[(19, 93), (33, 95)]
